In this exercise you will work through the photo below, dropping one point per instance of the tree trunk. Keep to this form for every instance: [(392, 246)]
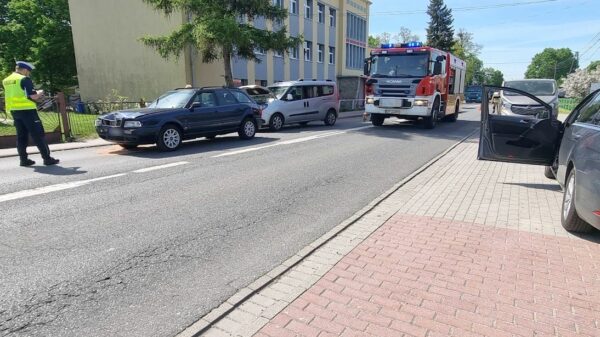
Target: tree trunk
[(228, 71)]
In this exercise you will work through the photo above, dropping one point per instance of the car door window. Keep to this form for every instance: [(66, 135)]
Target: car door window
[(226, 98), (590, 113), (297, 93), (206, 99), (310, 91), (325, 90)]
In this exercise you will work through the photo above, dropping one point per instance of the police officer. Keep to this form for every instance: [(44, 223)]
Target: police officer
[(20, 100)]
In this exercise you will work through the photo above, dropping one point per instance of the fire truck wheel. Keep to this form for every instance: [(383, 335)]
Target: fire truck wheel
[(377, 120), (431, 121), (454, 117)]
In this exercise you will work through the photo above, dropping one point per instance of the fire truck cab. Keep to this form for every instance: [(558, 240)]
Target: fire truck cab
[(412, 81)]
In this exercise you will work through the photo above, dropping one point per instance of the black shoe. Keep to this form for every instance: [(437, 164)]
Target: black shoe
[(27, 163), (51, 161)]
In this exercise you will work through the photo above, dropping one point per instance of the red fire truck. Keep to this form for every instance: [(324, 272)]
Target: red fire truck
[(412, 81)]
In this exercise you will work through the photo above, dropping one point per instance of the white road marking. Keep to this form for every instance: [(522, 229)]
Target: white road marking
[(53, 188), (160, 167), (289, 142)]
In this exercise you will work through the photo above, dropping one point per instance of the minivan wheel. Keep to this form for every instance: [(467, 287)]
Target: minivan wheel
[(247, 129), (548, 172), (569, 218), (169, 138), (276, 122), (330, 118)]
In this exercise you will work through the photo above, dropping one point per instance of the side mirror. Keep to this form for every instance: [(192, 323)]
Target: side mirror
[(437, 68), (289, 97), (367, 67)]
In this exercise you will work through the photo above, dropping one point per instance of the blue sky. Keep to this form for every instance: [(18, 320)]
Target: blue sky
[(510, 36)]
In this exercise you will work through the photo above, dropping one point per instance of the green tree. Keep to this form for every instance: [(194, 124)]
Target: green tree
[(492, 76), (464, 44), (374, 41), (552, 63), (440, 33), (217, 31), (593, 65), (39, 31), (474, 73)]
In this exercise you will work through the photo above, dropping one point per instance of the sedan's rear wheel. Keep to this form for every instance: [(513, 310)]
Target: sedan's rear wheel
[(247, 129), (570, 219), (169, 138)]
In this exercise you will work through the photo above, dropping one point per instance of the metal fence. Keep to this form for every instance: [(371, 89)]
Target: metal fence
[(47, 110), (81, 119), (352, 105)]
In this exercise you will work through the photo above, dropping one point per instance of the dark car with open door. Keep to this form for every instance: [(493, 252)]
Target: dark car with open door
[(570, 151)]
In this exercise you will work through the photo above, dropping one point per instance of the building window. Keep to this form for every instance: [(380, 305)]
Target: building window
[(356, 41), (307, 50), (308, 9), (321, 52), (277, 53), (262, 83), (331, 55), (278, 3), (294, 6), (332, 17), (259, 51), (321, 13), (294, 53)]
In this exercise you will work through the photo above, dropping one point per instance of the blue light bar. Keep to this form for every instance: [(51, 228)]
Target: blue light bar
[(413, 44), (387, 45)]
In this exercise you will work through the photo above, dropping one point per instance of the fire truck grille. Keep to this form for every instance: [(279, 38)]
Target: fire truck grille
[(395, 90)]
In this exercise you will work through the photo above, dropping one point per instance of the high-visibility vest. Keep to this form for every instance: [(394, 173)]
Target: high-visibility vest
[(15, 97)]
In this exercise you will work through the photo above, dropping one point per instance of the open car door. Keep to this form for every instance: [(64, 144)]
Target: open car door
[(526, 139)]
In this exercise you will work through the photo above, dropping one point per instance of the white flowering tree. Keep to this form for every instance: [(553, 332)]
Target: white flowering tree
[(578, 83)]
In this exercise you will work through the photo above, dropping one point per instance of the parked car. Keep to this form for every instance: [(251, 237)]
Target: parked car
[(261, 95), (302, 102), (183, 114), (515, 104), (570, 151)]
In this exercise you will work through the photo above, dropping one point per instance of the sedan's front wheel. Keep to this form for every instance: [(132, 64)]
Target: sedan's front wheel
[(169, 138), (570, 219)]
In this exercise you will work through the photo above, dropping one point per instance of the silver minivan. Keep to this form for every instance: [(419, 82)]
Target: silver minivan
[(516, 104), (301, 102)]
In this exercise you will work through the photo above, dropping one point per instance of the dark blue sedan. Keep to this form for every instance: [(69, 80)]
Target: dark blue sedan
[(183, 114), (570, 151)]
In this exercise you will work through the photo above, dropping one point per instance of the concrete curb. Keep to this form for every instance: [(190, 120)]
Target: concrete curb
[(75, 147), (207, 323)]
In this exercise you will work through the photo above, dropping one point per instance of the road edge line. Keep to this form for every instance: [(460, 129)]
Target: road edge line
[(206, 322)]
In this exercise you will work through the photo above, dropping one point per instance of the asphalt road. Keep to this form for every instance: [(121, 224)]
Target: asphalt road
[(142, 243)]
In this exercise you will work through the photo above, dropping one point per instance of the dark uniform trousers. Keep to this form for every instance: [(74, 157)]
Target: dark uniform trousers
[(27, 122)]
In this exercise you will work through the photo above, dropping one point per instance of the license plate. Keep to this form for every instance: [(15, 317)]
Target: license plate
[(392, 103)]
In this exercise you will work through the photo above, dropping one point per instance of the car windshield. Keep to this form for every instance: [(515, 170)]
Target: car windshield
[(401, 65), (173, 99), (474, 89), (536, 88), (278, 91)]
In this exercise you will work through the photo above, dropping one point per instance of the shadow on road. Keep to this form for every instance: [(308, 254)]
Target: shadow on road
[(547, 187), (58, 170), (191, 147), (402, 129)]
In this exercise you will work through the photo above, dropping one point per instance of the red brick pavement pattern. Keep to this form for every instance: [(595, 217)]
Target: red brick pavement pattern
[(418, 276)]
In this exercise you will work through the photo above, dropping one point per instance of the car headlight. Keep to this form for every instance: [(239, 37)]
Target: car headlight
[(97, 122), (370, 100), (132, 124), (421, 102)]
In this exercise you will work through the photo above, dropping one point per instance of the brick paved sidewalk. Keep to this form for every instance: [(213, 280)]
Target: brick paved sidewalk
[(466, 248)]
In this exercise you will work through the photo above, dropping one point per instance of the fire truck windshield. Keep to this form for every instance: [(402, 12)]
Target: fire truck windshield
[(400, 65)]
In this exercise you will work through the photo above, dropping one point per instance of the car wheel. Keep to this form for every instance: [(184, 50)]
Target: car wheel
[(247, 129), (548, 172), (377, 120), (569, 217), (169, 138), (330, 118), (430, 122), (276, 122), (129, 146)]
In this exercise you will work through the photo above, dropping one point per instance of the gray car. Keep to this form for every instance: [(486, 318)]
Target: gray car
[(570, 151), (515, 104)]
